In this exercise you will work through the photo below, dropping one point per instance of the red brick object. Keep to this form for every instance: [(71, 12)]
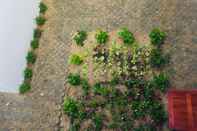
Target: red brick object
[(182, 110)]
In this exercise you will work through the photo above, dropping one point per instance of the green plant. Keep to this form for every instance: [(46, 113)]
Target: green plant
[(145, 127), (101, 90), (139, 109), (34, 44), (31, 57), (126, 36), (75, 59), (80, 37), (74, 79), (24, 88), (101, 37), (43, 8), (161, 82), (71, 107), (40, 20), (157, 36), (97, 119), (85, 86), (157, 60), (37, 33), (28, 73)]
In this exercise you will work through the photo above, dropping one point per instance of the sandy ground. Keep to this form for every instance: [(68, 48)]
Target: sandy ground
[(41, 107)]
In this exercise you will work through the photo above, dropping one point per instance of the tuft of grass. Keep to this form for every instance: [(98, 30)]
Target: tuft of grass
[(43, 8), (97, 119), (28, 73), (25, 87), (161, 82), (37, 33), (80, 37), (34, 44), (126, 36), (157, 60), (101, 37), (40, 20), (74, 79), (31, 57), (157, 36), (100, 90), (75, 59), (71, 108)]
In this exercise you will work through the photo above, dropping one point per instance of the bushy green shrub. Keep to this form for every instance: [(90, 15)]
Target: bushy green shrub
[(74, 79), (24, 88), (157, 60), (101, 37), (85, 86), (139, 109), (31, 57), (100, 90), (80, 37), (34, 44), (126, 36), (75, 59), (71, 108), (157, 37), (40, 20), (43, 8), (161, 82), (97, 119), (28, 73), (37, 33)]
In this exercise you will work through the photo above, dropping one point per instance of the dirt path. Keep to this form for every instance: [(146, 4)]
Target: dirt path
[(39, 110)]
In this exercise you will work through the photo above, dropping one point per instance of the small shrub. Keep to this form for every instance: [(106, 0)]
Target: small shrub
[(75, 59), (28, 73), (34, 44), (101, 37), (85, 86), (97, 122), (161, 82), (157, 37), (40, 20), (100, 90), (71, 108), (126, 36), (157, 60), (31, 57), (43, 8), (139, 109), (37, 33), (74, 79), (80, 37), (24, 88)]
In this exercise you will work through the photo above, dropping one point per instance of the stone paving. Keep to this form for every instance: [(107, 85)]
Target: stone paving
[(40, 109)]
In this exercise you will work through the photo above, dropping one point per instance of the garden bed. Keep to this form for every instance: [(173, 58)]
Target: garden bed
[(116, 83)]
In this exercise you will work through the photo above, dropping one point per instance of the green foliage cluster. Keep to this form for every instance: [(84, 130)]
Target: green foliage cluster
[(80, 37), (25, 87), (101, 37), (74, 79), (157, 60), (126, 36), (145, 127), (34, 44), (75, 59), (71, 108), (40, 20), (37, 33), (43, 8), (97, 122), (161, 82), (157, 36), (100, 89), (31, 57), (28, 73)]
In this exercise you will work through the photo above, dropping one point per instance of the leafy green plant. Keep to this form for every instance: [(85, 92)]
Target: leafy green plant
[(43, 8), (97, 119), (31, 57), (101, 90), (34, 44), (75, 59), (71, 107), (85, 86), (157, 60), (40, 20), (74, 79), (126, 36), (80, 37), (37, 33), (24, 88), (28, 73), (157, 36), (101, 37), (161, 82), (139, 109)]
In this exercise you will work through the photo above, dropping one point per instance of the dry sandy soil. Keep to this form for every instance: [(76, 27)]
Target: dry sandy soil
[(40, 109)]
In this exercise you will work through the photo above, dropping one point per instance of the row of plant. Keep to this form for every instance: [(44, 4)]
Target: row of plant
[(128, 100), (31, 55)]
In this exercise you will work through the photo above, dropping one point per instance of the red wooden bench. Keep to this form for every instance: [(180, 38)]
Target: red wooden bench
[(182, 109)]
